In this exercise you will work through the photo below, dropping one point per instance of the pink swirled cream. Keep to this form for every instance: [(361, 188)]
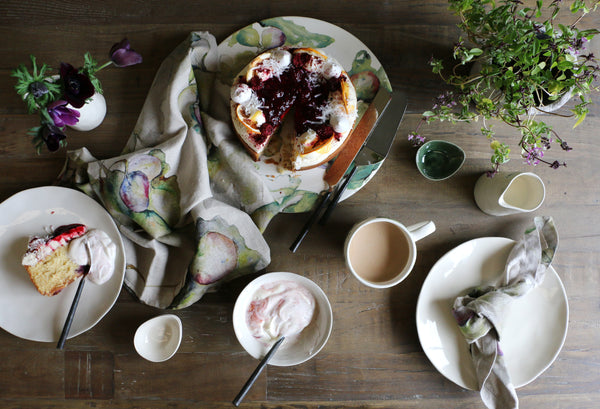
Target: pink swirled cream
[(282, 308)]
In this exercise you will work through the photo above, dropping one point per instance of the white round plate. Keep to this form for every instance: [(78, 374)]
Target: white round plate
[(242, 46), (311, 340), (536, 324), (25, 312)]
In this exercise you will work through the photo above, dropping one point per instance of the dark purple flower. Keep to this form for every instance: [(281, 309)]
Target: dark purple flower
[(38, 89), (122, 55), (51, 135), (77, 86), (61, 115), (565, 146)]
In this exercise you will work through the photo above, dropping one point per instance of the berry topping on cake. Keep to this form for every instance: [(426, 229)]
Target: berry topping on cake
[(300, 80)]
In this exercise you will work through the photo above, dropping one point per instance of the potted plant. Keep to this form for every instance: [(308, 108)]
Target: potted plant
[(524, 64)]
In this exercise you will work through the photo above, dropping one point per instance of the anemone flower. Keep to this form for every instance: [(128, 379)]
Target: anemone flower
[(62, 115), (122, 55), (77, 86), (51, 135)]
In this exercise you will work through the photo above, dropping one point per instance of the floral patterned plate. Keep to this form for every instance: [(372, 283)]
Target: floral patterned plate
[(297, 191), (25, 312)]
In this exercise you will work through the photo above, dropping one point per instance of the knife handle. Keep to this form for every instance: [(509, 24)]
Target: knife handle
[(337, 196), (313, 218)]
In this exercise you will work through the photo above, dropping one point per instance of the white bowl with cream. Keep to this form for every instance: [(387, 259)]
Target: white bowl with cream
[(159, 338), (291, 305)]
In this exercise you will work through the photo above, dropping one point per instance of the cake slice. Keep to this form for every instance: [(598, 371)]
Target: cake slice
[(47, 260)]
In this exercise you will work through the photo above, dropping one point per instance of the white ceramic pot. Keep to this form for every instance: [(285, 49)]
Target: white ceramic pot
[(91, 114)]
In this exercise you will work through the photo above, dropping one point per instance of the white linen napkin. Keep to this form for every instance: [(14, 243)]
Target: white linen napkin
[(186, 197), (480, 314)]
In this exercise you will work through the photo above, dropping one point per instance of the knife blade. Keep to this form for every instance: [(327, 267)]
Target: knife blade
[(359, 135), (367, 125), (377, 146), (380, 142)]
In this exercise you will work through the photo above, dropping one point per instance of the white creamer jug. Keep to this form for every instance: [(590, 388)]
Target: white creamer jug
[(509, 193)]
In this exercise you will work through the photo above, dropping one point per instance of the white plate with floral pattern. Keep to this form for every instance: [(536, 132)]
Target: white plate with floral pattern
[(25, 312), (297, 191), (536, 325)]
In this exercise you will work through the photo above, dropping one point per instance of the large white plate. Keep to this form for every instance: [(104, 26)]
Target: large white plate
[(23, 311), (242, 46), (536, 324)]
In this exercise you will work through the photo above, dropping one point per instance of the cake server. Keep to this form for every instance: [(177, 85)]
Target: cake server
[(378, 144), (363, 131), (360, 134)]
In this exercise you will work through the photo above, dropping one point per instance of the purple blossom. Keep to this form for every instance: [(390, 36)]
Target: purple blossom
[(38, 89), (534, 155), (555, 165), (122, 55), (565, 146), (416, 139), (51, 135), (61, 114), (77, 86)]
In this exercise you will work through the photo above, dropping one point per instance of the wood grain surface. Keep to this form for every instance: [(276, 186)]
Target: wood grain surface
[(373, 358)]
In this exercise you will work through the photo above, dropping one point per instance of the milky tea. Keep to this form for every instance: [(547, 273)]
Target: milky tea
[(379, 251)]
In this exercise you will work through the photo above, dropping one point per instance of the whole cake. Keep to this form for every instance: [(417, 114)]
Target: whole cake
[(56, 260), (300, 94)]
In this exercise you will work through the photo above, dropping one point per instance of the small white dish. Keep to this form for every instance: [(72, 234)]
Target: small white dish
[(158, 338), (309, 342), (535, 327)]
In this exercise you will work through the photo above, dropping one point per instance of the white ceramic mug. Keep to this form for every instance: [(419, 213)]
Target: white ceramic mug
[(509, 193), (381, 252)]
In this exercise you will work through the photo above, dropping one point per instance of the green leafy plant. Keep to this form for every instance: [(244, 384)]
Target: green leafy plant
[(523, 60)]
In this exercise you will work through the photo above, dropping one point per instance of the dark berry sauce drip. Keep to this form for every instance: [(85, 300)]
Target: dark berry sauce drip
[(298, 88)]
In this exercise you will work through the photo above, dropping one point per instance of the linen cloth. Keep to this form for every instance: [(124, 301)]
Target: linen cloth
[(480, 314), (185, 196)]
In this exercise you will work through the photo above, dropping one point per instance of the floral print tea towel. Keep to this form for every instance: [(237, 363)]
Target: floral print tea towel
[(183, 193), (480, 313)]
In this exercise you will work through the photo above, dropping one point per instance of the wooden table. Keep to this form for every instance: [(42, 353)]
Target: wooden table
[(373, 358)]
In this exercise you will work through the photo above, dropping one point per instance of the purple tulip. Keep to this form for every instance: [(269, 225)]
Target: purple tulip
[(122, 55), (61, 115), (51, 135), (77, 86)]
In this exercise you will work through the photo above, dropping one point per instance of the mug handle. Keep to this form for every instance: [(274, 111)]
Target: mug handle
[(420, 230)]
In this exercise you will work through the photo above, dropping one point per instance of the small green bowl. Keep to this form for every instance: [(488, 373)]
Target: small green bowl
[(438, 160)]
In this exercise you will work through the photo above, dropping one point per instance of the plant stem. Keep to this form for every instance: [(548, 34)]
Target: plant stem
[(104, 66)]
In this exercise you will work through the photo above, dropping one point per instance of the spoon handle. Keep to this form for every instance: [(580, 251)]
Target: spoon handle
[(240, 396), (71, 315)]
